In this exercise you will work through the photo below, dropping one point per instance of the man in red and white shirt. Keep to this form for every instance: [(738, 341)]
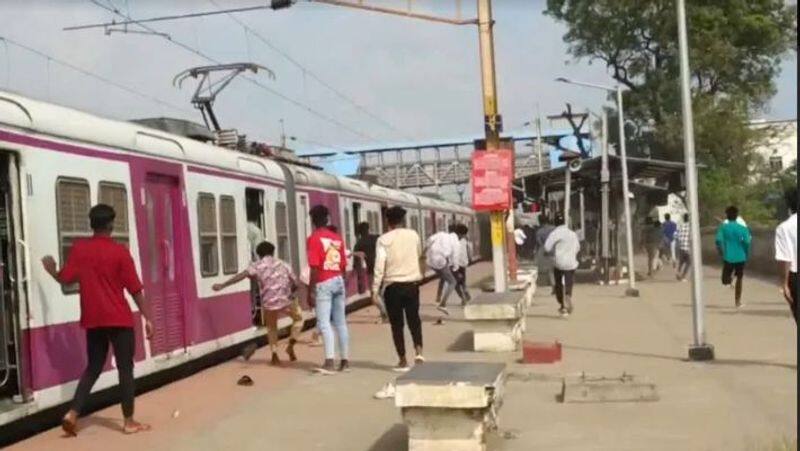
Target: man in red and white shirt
[(104, 270), (326, 290)]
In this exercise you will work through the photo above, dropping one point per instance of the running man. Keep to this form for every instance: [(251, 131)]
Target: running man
[(460, 263), (565, 244), (684, 245), (669, 228), (277, 285), (439, 251), (327, 263), (733, 244), (397, 271), (653, 239), (364, 249), (104, 270), (786, 252)]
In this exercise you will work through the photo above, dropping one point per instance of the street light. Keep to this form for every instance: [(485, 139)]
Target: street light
[(699, 350), (631, 291)]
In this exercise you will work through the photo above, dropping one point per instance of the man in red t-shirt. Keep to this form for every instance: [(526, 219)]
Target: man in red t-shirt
[(104, 270), (326, 293)]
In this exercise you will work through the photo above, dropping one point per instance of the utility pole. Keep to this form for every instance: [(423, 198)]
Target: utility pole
[(604, 189), (492, 129), (538, 137), (699, 350), (631, 291)]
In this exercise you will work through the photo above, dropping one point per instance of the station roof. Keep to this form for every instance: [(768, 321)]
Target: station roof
[(589, 172)]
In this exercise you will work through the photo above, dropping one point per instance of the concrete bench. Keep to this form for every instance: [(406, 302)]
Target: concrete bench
[(497, 319), (449, 406)]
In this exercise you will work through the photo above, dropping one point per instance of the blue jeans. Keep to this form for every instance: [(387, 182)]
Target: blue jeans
[(330, 296)]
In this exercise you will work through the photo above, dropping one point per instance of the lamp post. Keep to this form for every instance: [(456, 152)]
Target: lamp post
[(631, 291), (699, 350)]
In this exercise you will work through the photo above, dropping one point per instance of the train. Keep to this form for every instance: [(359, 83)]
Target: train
[(184, 208)]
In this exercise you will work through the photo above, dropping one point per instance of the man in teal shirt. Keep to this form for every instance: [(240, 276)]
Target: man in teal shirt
[(733, 244)]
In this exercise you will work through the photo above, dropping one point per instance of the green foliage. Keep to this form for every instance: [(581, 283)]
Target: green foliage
[(735, 52)]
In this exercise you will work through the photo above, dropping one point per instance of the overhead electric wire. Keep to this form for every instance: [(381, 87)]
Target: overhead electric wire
[(130, 21), (91, 74), (308, 72), (113, 9)]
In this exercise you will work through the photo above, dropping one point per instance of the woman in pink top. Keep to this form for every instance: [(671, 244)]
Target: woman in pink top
[(277, 285)]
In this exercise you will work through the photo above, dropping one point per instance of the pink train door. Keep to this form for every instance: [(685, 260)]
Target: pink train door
[(159, 271)]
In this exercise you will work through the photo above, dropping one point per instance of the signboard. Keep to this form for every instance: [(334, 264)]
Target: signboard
[(492, 174)]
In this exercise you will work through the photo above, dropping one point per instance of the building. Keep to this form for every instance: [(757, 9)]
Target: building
[(780, 150)]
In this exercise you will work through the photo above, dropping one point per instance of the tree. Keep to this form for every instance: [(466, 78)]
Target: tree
[(735, 51)]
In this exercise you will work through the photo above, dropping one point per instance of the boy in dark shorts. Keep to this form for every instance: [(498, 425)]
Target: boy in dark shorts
[(733, 244)]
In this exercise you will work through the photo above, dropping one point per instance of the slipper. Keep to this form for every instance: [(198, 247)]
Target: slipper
[(245, 381), (69, 427), (138, 427)]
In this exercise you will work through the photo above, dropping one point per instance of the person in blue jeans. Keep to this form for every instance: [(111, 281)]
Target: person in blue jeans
[(326, 291), (733, 244)]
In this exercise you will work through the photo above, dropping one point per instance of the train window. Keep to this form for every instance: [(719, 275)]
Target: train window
[(347, 228), (207, 225), (227, 226), (282, 231), (72, 211), (428, 225), (116, 195)]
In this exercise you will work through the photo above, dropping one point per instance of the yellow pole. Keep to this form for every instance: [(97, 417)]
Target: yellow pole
[(492, 129)]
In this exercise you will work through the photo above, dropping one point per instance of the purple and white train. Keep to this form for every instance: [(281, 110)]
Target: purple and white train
[(183, 208)]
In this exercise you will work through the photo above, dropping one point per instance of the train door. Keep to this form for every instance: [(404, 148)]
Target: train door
[(11, 287), (356, 214), (256, 232), (160, 269), (303, 227)]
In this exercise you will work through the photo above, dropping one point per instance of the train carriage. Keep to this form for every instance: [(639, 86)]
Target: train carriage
[(186, 210)]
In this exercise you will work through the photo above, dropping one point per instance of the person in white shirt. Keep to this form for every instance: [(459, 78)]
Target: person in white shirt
[(460, 263), (786, 252), (519, 238), (439, 253), (564, 243), (397, 255)]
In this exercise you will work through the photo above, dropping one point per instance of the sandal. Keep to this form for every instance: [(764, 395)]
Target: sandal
[(135, 427), (70, 427)]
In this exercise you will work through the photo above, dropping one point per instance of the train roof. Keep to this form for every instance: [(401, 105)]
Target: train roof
[(64, 122), (43, 117)]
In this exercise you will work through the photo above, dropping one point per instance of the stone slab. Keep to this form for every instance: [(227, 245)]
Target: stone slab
[(451, 385), (595, 389), (497, 335), (506, 305), (446, 429)]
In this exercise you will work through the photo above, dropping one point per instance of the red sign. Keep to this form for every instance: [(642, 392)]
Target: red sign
[(492, 174)]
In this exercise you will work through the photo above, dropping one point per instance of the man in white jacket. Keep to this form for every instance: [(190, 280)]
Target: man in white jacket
[(564, 243), (439, 254)]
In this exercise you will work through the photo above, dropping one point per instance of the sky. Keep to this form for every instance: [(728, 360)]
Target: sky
[(411, 80)]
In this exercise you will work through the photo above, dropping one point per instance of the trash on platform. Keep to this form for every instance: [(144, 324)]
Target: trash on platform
[(439, 322), (245, 381), (386, 392)]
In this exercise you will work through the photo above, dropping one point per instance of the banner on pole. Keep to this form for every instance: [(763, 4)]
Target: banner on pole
[(492, 175)]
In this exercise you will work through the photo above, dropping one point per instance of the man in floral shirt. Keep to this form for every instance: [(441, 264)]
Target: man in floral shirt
[(277, 285)]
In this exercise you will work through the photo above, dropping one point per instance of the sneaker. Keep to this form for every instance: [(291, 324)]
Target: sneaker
[(402, 367), (563, 312), (443, 310), (290, 350), (419, 359), (386, 392), (326, 368), (344, 366), (249, 350), (569, 305)]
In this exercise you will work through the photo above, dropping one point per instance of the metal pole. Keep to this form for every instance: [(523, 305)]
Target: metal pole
[(567, 197), (491, 119), (699, 350), (604, 180), (582, 215), (631, 291), (539, 137)]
